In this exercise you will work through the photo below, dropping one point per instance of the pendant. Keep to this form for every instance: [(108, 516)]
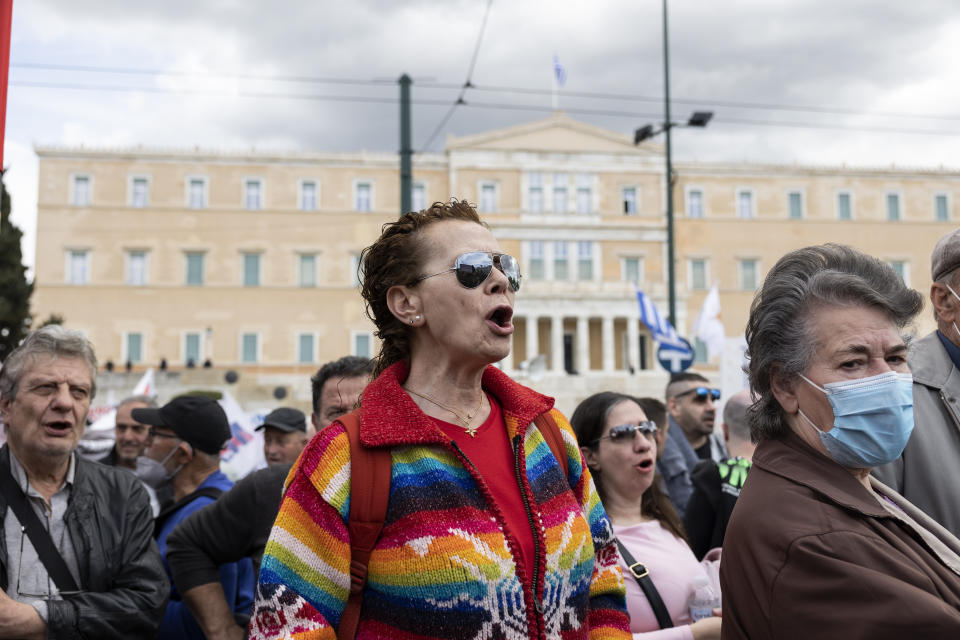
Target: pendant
[(471, 431)]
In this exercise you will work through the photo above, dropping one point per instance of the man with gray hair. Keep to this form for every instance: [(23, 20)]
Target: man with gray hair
[(78, 557), (717, 484), (928, 471)]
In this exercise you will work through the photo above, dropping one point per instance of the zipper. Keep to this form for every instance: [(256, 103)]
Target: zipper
[(537, 604)]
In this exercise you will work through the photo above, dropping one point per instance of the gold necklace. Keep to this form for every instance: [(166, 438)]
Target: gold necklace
[(471, 431)]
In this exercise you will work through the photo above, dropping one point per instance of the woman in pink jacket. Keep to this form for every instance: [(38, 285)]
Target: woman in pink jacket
[(618, 443)]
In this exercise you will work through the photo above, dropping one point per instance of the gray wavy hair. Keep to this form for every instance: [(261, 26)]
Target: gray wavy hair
[(779, 339), (51, 340)]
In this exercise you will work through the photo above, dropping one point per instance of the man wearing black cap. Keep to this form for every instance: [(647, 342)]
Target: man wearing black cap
[(284, 435), (928, 472), (186, 436)]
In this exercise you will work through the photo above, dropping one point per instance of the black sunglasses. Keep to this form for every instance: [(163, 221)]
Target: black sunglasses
[(625, 432), (153, 433), (702, 393), (474, 267)]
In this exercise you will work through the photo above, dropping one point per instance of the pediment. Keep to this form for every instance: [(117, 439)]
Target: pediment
[(559, 133)]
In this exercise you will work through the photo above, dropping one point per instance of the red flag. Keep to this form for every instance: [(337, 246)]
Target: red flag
[(6, 20)]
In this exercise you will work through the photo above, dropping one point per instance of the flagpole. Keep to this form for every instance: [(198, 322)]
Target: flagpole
[(555, 98)]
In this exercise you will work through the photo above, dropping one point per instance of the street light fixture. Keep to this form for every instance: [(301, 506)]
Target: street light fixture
[(697, 119)]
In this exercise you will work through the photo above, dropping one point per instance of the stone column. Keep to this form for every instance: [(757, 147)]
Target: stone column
[(606, 325), (633, 343), (556, 344), (533, 337), (583, 344)]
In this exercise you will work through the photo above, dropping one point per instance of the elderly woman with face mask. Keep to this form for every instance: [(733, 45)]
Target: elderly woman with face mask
[(484, 535), (816, 548)]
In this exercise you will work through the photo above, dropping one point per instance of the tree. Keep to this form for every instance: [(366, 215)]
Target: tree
[(14, 289)]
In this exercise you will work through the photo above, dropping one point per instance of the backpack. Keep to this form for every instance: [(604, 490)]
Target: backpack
[(369, 494)]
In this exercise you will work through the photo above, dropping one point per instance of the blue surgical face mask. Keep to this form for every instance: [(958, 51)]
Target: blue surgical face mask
[(872, 419)]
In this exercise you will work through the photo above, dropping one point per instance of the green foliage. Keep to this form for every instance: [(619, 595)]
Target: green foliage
[(14, 289)]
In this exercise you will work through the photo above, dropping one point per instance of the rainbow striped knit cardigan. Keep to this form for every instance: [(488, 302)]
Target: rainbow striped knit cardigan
[(443, 567)]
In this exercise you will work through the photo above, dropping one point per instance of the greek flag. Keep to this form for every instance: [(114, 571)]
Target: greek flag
[(660, 328), (559, 71)]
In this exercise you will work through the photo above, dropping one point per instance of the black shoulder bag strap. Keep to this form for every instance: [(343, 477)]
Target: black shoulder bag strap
[(38, 534), (202, 492), (649, 589)]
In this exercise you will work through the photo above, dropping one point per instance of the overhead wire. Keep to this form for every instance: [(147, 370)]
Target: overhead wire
[(466, 85), (706, 101)]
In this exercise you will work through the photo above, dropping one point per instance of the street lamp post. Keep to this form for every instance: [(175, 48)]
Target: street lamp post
[(697, 119)]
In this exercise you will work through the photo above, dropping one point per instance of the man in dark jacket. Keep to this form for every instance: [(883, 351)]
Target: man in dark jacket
[(102, 576), (928, 472), (238, 524)]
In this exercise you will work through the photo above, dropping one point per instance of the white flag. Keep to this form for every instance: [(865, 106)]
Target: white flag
[(243, 452), (146, 386), (708, 326)]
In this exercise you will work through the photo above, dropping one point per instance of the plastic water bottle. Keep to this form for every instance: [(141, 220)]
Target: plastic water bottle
[(703, 600)]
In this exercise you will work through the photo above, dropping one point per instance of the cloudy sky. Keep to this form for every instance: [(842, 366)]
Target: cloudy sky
[(869, 82)]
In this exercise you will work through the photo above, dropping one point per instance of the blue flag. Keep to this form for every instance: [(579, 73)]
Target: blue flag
[(660, 328), (559, 71)]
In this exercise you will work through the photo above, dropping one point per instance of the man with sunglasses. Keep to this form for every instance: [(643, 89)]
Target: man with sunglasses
[(691, 405)]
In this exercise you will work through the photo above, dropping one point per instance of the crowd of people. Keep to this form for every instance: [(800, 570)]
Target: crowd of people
[(429, 495)]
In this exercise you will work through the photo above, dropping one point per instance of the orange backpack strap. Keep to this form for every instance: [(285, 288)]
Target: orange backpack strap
[(369, 494), (551, 433)]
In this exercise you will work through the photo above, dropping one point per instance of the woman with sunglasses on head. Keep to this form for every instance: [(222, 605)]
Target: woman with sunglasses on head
[(488, 533), (620, 448)]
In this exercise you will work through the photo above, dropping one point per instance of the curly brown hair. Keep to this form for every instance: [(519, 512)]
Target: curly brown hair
[(396, 258)]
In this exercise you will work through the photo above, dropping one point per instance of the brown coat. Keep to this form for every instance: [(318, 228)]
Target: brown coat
[(810, 553)]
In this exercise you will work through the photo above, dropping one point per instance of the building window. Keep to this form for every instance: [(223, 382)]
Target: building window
[(629, 201), (584, 194), (197, 193), (700, 353), (138, 193), (536, 192), (941, 206), (744, 203), (82, 191), (362, 344), (560, 193), (632, 268), (695, 203), (356, 271), (536, 260), (844, 206), (78, 267), (192, 348), (902, 267), (488, 197), (195, 274), (748, 274), (585, 260), (307, 270), (698, 275), (418, 196), (134, 348), (363, 196), (893, 207), (137, 268), (253, 194), (305, 348), (560, 271), (250, 348), (308, 195), (251, 269), (795, 205)]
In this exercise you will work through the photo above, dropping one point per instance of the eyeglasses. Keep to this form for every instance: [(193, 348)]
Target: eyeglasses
[(153, 433), (626, 432), (474, 267), (702, 393)]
